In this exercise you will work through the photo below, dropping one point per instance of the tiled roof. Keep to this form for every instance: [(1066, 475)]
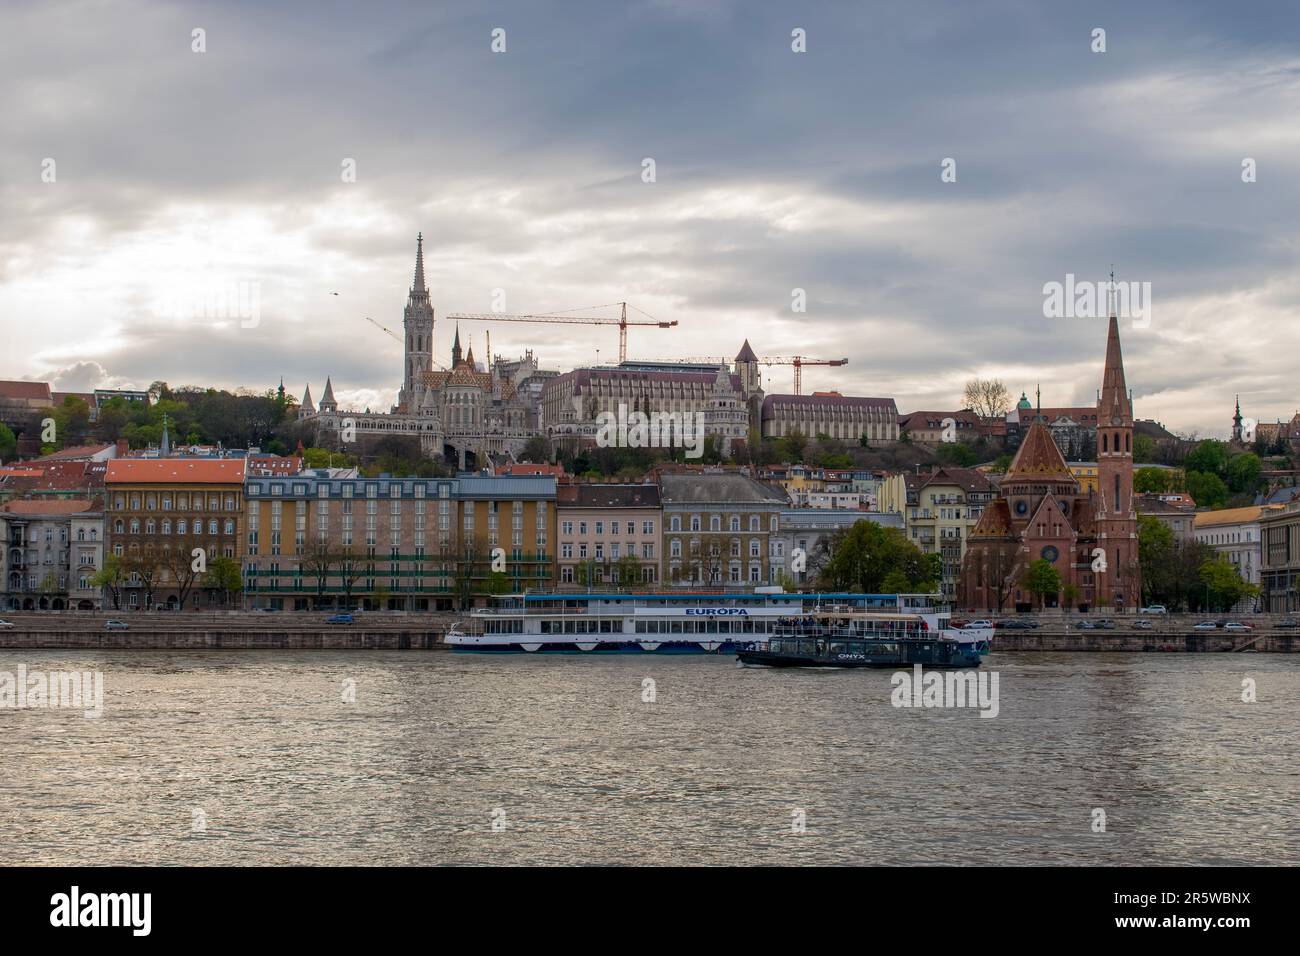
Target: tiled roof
[(935, 419), (77, 451), (26, 391), (968, 479), (1038, 456), (582, 377), (609, 496), (51, 506), (1213, 519), (995, 521), (1155, 505), (838, 401), (1083, 414), (527, 468), (725, 489), (160, 470)]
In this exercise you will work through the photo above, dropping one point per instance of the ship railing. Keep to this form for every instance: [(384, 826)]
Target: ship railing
[(543, 612), (820, 632)]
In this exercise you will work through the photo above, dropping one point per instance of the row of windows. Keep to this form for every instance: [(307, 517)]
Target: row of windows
[(182, 501), (647, 527), (181, 527), (615, 550), (775, 548), (715, 523)]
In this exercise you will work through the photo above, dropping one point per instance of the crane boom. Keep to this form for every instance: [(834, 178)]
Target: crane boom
[(798, 361), (383, 328), (622, 321)]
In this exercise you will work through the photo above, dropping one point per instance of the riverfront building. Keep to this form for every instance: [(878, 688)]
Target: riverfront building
[(609, 533), (721, 529), (1235, 535), (1280, 559), (939, 510), (158, 511), (407, 544), (52, 550), (808, 531)]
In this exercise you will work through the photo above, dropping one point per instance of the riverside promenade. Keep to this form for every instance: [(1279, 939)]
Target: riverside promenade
[(229, 630), (389, 630)]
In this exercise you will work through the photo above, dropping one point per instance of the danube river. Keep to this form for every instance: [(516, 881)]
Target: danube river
[(257, 758)]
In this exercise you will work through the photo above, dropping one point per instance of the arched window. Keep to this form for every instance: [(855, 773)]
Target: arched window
[(1118, 504), (1104, 442)]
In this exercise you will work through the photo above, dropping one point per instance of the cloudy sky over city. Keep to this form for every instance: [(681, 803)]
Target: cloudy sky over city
[(143, 183)]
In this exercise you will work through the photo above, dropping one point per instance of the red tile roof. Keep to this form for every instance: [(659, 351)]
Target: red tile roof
[(27, 391), (164, 470), (75, 452), (529, 469), (51, 506), (1038, 456)]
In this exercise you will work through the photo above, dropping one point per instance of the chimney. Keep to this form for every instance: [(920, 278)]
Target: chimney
[(122, 448)]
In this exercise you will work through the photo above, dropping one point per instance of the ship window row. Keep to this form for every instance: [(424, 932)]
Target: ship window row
[(711, 626), (582, 627)]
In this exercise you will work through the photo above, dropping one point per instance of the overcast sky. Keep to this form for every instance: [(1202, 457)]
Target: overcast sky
[(179, 175)]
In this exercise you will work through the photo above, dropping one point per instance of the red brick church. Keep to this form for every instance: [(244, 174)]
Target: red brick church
[(1091, 539)]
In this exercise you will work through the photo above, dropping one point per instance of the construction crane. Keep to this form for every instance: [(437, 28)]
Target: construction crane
[(400, 340), (384, 328), (560, 318), (798, 361)]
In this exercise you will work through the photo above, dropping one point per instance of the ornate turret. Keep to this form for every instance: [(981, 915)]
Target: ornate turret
[(327, 404), (1236, 423), (455, 348), (306, 409)]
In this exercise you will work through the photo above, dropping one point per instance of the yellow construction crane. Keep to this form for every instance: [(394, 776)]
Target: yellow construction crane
[(561, 318), (798, 361)]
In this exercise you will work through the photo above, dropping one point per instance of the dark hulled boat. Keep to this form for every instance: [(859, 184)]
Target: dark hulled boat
[(864, 639)]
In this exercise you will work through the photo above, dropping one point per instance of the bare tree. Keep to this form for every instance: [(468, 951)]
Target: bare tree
[(143, 565), (351, 565), (986, 397), (179, 567), (317, 561)]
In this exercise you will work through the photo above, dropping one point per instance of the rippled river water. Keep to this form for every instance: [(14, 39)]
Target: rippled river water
[(256, 758)]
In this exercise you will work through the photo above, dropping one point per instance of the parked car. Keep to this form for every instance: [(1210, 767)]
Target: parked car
[(340, 619), (1205, 626), (980, 623), (1287, 622), (6, 623), (1086, 626), (116, 626), (1017, 625), (1238, 626), (1153, 609), (1105, 624), (1142, 625)]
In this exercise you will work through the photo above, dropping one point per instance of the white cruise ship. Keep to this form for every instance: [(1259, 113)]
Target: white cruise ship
[(687, 622)]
